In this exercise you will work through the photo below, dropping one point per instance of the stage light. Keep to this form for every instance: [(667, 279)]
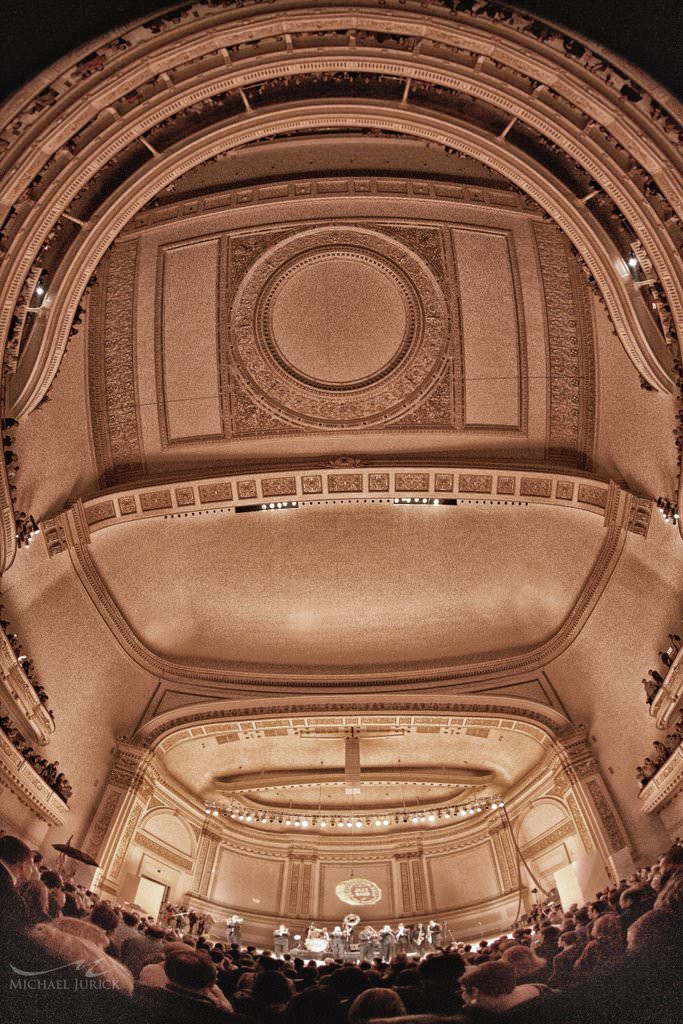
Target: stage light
[(378, 824), (386, 821), (40, 290), (323, 824), (215, 814), (633, 261), (359, 824), (432, 817), (304, 824)]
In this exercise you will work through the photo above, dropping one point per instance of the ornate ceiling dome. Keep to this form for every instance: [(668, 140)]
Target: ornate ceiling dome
[(343, 342)]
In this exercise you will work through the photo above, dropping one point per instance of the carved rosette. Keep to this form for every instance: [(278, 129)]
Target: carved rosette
[(262, 366)]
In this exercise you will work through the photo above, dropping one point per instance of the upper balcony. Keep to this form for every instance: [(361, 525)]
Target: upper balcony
[(670, 692), (18, 693)]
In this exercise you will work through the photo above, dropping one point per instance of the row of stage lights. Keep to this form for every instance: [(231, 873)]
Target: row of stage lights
[(294, 504), (428, 817)]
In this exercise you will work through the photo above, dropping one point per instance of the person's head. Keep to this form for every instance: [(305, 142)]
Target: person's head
[(348, 982), (132, 920), (567, 939), (581, 916), (105, 917), (442, 970), (18, 857), (657, 937), (608, 931), (272, 988), (316, 1003), (523, 960), (190, 969), (375, 1002), (550, 936), (487, 984), (597, 908), (670, 896), (37, 900), (635, 895)]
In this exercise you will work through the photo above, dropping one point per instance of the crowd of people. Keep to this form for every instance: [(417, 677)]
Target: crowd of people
[(25, 663), (661, 752), (49, 771), (67, 954), (654, 680)]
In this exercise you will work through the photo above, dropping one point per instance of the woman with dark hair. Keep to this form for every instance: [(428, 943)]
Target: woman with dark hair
[(607, 948)]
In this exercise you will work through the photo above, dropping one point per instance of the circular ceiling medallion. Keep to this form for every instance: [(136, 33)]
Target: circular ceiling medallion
[(339, 318), (358, 892), (338, 327)]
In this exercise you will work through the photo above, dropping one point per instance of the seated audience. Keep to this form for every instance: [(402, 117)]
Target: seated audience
[(375, 1002), (491, 989), (187, 996)]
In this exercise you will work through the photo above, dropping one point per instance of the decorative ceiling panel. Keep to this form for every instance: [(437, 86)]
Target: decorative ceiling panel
[(216, 333)]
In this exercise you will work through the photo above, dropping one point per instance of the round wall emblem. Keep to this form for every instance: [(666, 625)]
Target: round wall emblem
[(358, 892)]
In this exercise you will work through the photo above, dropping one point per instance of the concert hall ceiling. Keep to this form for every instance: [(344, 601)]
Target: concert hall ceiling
[(343, 343)]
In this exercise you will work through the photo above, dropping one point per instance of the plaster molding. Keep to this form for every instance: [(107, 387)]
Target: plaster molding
[(612, 503)]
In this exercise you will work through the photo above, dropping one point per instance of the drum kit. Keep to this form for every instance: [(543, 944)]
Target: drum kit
[(318, 940)]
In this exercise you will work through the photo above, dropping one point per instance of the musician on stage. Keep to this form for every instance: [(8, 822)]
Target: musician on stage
[(418, 936), (280, 940), (337, 942), (387, 942), (367, 942), (234, 927), (434, 934), (402, 938)]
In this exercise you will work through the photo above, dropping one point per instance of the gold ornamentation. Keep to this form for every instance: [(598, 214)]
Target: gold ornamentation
[(97, 513), (378, 481), (209, 493), (278, 486), (312, 484), (411, 481), (534, 487), (506, 485), (151, 500), (475, 483), (184, 496), (246, 489), (590, 495), (341, 483), (127, 505)]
